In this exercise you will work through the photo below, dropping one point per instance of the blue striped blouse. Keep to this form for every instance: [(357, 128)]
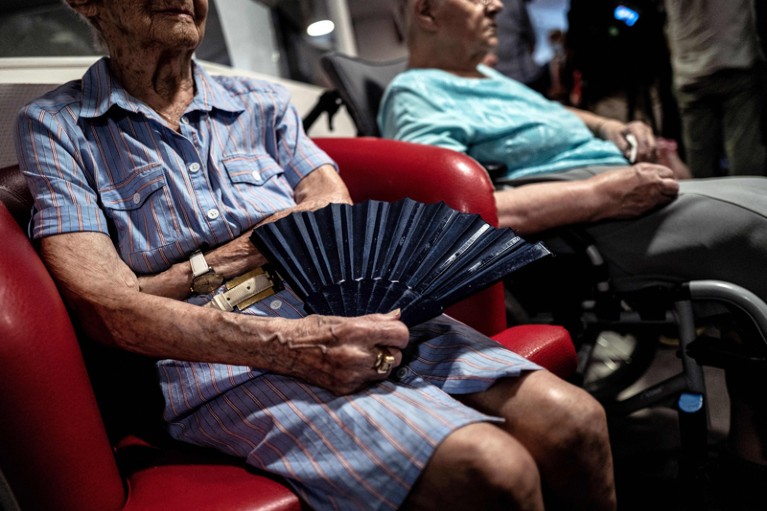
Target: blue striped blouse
[(97, 159)]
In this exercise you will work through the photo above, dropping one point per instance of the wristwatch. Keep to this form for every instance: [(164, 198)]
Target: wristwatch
[(204, 278)]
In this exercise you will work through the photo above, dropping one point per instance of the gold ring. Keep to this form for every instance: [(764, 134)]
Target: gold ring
[(384, 361)]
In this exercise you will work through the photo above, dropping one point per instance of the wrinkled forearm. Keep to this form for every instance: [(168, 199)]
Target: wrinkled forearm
[(230, 260), (320, 188), (316, 190), (623, 192), (163, 328), (595, 123), (103, 294), (535, 208), (104, 298)]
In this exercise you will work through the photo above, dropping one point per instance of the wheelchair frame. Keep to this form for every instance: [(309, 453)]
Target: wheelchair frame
[(360, 83)]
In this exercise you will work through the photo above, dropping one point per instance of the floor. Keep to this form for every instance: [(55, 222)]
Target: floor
[(646, 446)]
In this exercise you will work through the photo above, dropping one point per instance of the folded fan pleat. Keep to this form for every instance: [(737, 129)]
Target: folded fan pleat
[(375, 256)]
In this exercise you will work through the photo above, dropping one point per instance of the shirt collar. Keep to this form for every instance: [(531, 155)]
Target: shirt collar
[(102, 91)]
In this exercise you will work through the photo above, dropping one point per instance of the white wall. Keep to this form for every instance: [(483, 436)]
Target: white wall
[(377, 39), (249, 35)]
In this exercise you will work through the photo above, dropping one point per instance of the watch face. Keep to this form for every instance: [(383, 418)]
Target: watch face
[(207, 283)]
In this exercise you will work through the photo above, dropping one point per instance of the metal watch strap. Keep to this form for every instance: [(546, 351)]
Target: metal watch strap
[(199, 264)]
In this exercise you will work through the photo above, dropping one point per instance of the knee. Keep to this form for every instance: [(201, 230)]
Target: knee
[(582, 423), (503, 473)]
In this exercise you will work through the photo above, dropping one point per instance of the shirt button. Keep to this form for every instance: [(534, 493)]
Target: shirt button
[(184, 120), (213, 214), (401, 373), (194, 167), (136, 198), (256, 175)]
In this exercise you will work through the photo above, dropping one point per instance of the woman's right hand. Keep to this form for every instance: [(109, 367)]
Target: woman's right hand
[(339, 353)]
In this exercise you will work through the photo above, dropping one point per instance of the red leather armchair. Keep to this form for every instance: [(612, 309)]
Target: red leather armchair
[(56, 450)]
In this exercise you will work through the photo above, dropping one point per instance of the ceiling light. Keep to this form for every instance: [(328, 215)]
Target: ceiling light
[(320, 28)]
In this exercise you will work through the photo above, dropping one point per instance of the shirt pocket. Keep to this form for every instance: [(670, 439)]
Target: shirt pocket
[(258, 188), (141, 210), (249, 169)]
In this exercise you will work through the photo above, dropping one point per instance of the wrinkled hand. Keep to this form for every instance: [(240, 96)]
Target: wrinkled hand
[(617, 133), (339, 353), (631, 191)]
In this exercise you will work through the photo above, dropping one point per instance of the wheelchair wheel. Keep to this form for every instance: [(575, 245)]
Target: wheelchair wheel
[(615, 361)]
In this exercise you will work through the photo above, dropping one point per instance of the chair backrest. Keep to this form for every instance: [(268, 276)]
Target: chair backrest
[(381, 169), (361, 84)]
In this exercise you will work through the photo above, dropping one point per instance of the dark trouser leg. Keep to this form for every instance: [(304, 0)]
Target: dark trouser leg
[(742, 109), (701, 132)]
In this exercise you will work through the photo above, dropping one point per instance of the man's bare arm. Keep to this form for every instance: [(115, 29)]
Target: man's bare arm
[(336, 353), (317, 189), (622, 193)]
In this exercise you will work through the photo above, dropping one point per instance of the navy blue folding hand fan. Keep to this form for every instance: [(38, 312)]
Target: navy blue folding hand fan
[(375, 256)]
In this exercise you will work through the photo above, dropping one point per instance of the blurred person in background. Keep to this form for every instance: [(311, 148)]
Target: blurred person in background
[(719, 71), (516, 46)]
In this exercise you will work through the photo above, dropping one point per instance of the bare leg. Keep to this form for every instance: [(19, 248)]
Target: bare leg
[(668, 156), (564, 429), (482, 467)]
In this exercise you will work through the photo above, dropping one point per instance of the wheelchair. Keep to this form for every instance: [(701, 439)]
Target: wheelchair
[(615, 324)]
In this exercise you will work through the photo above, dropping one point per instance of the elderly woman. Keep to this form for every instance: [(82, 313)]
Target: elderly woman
[(149, 175), (645, 223)]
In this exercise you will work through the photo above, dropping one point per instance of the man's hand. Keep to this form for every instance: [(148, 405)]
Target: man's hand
[(618, 133), (338, 353), (631, 191)]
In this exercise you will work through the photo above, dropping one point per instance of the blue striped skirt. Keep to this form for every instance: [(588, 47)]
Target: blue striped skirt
[(362, 451)]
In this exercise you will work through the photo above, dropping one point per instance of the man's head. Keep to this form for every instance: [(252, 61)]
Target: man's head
[(459, 30), (141, 24)]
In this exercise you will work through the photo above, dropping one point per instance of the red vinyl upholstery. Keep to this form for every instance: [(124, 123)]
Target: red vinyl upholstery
[(59, 449)]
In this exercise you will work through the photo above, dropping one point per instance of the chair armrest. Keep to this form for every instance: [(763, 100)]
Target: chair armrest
[(547, 345), (390, 170), (49, 420)]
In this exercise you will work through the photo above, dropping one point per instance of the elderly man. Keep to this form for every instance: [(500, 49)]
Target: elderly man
[(149, 175), (644, 222)]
